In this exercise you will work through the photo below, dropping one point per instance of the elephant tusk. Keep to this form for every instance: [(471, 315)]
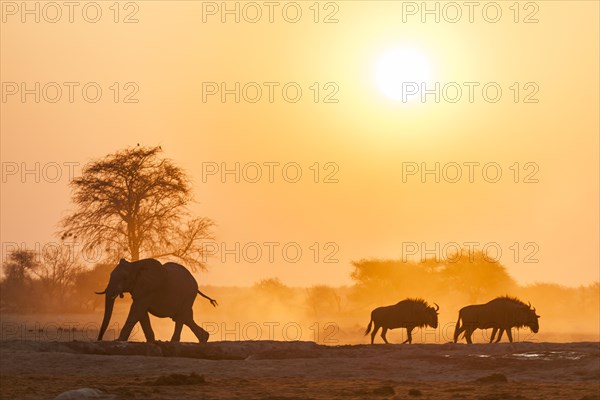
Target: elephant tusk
[(103, 292)]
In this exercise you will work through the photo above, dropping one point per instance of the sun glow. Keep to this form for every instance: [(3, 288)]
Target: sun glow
[(401, 68)]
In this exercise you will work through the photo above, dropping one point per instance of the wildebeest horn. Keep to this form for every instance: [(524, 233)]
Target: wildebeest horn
[(529, 304), (437, 307), (103, 292)]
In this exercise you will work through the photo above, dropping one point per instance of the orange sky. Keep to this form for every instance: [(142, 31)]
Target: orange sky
[(370, 212)]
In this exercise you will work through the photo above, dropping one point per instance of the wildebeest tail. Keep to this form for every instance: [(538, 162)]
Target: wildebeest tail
[(369, 327), (456, 328)]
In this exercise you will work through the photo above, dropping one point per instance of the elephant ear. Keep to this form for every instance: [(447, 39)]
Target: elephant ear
[(150, 277)]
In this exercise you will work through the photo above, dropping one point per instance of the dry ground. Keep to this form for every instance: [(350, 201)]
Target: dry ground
[(301, 370)]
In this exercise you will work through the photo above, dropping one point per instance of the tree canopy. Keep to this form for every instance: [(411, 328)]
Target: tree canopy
[(134, 204), (471, 274)]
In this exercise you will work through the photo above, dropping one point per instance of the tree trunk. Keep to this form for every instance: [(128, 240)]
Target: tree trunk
[(135, 253)]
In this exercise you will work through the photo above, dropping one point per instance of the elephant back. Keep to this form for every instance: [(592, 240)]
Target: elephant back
[(180, 279), (150, 277)]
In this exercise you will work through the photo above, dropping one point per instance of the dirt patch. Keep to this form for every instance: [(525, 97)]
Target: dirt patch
[(178, 379), (493, 378)]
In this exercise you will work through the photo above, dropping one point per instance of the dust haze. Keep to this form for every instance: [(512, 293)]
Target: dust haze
[(276, 310)]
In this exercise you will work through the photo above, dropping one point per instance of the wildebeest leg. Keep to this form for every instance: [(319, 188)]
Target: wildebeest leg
[(468, 334), (409, 336), (458, 332), (383, 333), (375, 329), (177, 332), (509, 334), (500, 335), (146, 327), (494, 331)]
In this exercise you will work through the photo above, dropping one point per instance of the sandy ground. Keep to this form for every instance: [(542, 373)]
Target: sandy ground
[(301, 370)]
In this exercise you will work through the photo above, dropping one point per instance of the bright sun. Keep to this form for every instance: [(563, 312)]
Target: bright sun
[(398, 66)]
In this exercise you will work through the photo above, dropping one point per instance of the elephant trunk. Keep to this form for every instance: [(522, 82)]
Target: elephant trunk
[(108, 308)]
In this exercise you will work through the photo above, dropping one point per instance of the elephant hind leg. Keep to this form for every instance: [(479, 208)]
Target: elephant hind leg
[(200, 333), (188, 320)]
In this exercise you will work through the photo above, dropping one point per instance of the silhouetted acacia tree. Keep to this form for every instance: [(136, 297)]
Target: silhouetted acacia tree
[(273, 286), (134, 204), (471, 273), (56, 272), (477, 275), (17, 282)]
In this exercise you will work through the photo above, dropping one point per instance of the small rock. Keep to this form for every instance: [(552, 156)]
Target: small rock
[(384, 391), (179, 379), (83, 393)]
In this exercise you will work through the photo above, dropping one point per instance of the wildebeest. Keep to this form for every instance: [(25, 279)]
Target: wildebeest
[(502, 313), (409, 314)]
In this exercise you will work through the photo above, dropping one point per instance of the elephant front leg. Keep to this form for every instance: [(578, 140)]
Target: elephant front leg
[(177, 333), (146, 327), (135, 314)]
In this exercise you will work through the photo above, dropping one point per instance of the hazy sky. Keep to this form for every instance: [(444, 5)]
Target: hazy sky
[(359, 150)]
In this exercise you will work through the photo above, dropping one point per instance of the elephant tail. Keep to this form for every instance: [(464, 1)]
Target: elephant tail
[(212, 301)]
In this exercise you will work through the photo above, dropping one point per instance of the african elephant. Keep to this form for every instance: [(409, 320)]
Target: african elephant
[(167, 290)]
